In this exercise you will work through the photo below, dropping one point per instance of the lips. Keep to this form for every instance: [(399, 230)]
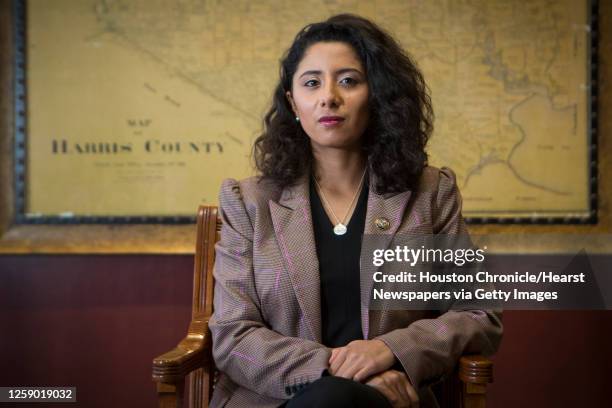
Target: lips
[(331, 120)]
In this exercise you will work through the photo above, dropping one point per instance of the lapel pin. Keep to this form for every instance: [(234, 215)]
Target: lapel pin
[(382, 224)]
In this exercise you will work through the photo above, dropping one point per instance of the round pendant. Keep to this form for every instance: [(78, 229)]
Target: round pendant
[(340, 229)]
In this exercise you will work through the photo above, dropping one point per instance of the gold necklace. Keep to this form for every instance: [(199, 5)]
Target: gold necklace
[(340, 227)]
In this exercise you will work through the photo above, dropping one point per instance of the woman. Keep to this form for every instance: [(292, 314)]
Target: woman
[(341, 154)]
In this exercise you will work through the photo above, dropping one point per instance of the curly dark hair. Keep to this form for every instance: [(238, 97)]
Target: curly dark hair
[(401, 115)]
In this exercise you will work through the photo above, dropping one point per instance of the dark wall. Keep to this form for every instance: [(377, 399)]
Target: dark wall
[(554, 359), (96, 322)]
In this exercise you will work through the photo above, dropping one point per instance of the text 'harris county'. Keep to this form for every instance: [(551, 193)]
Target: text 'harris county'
[(63, 146)]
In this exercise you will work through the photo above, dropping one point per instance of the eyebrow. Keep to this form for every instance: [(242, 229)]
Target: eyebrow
[(338, 72)]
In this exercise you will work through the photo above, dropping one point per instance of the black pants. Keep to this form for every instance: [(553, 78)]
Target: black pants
[(337, 392)]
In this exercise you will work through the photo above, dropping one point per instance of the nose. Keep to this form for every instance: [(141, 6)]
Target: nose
[(330, 95)]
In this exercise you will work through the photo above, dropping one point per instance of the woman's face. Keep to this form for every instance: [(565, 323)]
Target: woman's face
[(330, 96)]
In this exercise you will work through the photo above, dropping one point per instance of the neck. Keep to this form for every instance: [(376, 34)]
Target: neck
[(339, 172)]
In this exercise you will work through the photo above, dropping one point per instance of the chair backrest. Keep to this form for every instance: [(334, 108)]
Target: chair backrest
[(208, 229)]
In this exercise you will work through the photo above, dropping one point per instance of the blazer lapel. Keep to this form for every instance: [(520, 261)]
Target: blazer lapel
[(291, 218), (391, 207)]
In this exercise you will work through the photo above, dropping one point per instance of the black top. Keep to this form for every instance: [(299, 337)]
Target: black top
[(339, 270)]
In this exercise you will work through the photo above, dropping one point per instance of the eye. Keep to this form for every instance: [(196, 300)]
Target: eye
[(311, 82), (348, 81)]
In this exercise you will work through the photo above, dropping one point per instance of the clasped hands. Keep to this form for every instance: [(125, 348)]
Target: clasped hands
[(370, 362)]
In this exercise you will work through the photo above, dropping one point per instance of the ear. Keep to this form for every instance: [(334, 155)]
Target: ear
[(291, 102)]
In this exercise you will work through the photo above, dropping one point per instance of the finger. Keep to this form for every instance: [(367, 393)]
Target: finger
[(363, 374), (338, 360), (389, 394), (349, 367), (414, 396), (374, 381), (391, 380), (399, 383), (333, 355)]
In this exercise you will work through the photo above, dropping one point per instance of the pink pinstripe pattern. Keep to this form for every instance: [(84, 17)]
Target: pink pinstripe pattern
[(245, 357), (267, 322)]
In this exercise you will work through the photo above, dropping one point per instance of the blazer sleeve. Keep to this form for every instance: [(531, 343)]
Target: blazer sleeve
[(244, 348), (428, 349)]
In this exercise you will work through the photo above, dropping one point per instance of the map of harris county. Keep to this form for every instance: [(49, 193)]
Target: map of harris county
[(509, 82)]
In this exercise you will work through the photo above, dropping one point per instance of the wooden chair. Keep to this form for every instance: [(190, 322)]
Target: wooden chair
[(465, 389)]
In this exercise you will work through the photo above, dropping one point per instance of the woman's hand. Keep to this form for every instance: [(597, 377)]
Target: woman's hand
[(396, 387), (361, 359)]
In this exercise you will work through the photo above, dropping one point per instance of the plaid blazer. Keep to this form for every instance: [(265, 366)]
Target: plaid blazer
[(266, 325)]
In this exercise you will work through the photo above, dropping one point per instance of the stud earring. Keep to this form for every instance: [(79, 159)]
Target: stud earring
[(297, 118)]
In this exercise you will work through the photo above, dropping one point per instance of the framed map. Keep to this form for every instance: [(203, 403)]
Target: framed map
[(135, 110)]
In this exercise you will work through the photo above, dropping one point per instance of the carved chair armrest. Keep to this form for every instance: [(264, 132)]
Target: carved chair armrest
[(475, 372), (475, 369), (193, 352)]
